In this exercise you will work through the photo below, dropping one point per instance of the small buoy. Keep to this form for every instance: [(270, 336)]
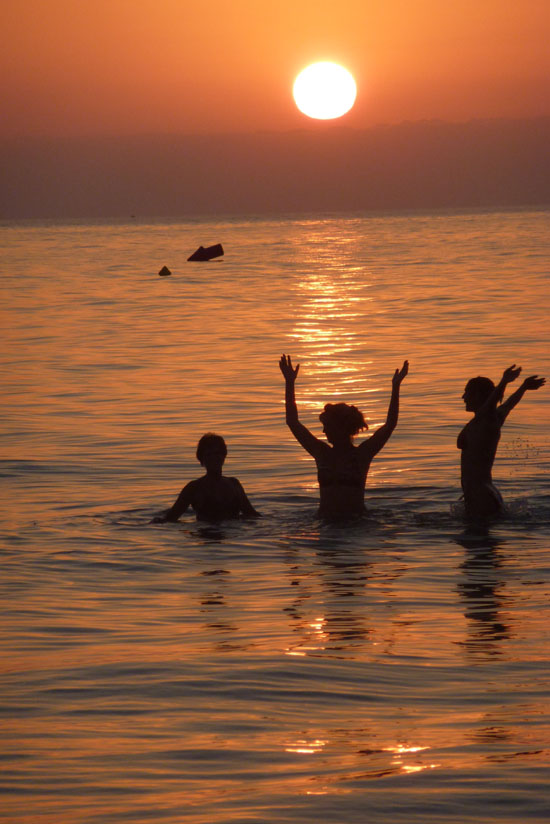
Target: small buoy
[(207, 253), (164, 272)]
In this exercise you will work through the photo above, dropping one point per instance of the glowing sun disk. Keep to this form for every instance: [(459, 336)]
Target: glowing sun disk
[(324, 91)]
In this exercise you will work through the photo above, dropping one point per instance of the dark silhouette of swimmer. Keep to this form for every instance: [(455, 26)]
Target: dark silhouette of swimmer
[(479, 439), (342, 467), (214, 497)]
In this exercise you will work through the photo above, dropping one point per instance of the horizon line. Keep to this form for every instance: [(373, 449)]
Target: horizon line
[(318, 128)]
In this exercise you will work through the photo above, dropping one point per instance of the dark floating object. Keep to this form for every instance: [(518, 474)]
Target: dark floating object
[(207, 253), (165, 271)]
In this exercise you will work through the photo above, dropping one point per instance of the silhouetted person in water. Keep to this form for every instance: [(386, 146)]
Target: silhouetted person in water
[(214, 497), (479, 439), (342, 467)]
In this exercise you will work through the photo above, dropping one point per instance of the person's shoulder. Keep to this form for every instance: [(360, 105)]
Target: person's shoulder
[(366, 445), (488, 417), (194, 482), (323, 447), (192, 486), (233, 481)]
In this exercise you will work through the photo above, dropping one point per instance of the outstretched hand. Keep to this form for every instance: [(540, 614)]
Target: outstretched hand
[(511, 373), (400, 374), (289, 372), (533, 382)]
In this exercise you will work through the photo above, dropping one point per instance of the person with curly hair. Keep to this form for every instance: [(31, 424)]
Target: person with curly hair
[(342, 467)]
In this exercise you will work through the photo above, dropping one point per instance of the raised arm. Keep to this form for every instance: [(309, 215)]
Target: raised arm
[(495, 397), (375, 443), (300, 432), (533, 382)]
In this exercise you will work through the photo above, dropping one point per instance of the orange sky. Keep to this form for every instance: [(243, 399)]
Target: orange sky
[(92, 67)]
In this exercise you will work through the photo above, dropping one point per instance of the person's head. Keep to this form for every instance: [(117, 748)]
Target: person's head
[(341, 421), (476, 392), (211, 450)]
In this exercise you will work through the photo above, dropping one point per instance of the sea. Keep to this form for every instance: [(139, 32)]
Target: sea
[(282, 670)]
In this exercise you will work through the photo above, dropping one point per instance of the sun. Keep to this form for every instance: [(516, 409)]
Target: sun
[(324, 91)]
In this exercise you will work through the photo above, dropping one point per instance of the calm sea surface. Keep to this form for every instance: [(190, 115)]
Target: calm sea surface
[(282, 670)]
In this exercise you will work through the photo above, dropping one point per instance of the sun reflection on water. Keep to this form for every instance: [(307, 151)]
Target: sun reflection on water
[(324, 335), (304, 746), (401, 750), (316, 637)]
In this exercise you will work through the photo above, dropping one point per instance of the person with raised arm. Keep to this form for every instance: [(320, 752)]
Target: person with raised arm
[(479, 439), (342, 467)]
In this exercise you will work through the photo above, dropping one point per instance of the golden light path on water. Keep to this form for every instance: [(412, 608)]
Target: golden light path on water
[(331, 331)]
